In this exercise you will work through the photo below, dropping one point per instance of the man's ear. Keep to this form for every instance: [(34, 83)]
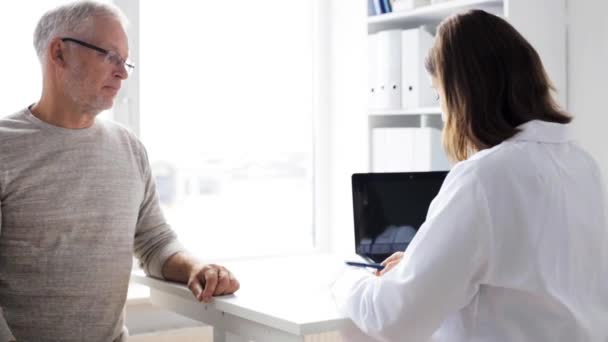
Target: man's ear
[(56, 52)]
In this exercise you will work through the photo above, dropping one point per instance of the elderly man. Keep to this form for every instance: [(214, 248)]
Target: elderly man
[(77, 196)]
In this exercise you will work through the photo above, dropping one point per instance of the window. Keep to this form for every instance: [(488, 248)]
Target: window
[(225, 94), (226, 100), (21, 73)]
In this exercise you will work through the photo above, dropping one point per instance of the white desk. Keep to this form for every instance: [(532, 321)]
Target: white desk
[(280, 300)]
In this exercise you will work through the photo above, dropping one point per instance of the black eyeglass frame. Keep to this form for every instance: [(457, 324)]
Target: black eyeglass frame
[(129, 66)]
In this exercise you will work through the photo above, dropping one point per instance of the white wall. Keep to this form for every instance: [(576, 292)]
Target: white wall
[(528, 16), (588, 75)]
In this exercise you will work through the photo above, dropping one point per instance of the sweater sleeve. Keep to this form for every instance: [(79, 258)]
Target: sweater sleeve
[(155, 241), (5, 331)]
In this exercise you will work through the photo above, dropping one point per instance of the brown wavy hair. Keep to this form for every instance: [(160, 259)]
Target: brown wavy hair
[(492, 81)]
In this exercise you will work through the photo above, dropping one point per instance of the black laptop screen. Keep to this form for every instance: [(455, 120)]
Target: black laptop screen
[(389, 208)]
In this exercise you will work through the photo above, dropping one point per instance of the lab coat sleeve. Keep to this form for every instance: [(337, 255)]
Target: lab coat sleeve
[(439, 274)]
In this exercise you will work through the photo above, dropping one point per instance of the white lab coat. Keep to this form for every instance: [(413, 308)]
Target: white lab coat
[(514, 248)]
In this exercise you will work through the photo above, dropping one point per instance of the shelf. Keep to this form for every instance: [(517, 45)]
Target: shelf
[(398, 112), (430, 14)]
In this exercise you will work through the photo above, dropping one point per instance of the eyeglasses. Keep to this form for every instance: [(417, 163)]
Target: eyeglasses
[(110, 57)]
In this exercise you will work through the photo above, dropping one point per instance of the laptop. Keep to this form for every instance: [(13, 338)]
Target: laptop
[(389, 208)]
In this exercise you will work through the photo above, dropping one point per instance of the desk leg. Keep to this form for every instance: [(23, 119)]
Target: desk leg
[(236, 338), (219, 335)]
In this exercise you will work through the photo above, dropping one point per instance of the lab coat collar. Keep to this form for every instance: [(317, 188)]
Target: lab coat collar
[(543, 131)]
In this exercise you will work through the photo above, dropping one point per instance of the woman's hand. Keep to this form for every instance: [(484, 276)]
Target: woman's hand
[(390, 262)]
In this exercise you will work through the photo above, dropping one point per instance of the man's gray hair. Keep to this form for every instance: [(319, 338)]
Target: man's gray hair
[(71, 19)]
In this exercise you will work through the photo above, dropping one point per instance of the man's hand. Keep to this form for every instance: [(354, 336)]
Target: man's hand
[(204, 280), (390, 262), (210, 280)]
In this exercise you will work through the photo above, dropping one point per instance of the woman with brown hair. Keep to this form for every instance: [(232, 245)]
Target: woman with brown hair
[(515, 245)]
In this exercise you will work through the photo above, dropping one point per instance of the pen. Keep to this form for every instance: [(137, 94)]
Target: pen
[(363, 264)]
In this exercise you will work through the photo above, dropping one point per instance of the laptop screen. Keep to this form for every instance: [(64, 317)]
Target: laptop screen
[(389, 208)]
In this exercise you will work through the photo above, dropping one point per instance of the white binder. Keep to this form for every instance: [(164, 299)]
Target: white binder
[(388, 69), (372, 73), (393, 149), (430, 155), (416, 83), (404, 5), (403, 149)]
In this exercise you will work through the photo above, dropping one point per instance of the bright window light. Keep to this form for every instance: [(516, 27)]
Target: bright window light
[(21, 81), (226, 98), (226, 110)]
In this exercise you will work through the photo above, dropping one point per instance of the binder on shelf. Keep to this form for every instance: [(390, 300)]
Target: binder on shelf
[(416, 83), (387, 70), (374, 6), (403, 149), (386, 6), (405, 5), (371, 11), (372, 74), (430, 154), (392, 149)]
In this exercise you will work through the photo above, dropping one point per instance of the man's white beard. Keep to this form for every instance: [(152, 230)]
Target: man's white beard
[(74, 88)]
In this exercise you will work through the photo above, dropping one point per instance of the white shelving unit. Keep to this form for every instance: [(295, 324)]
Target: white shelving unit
[(431, 14), (417, 111), (541, 22)]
